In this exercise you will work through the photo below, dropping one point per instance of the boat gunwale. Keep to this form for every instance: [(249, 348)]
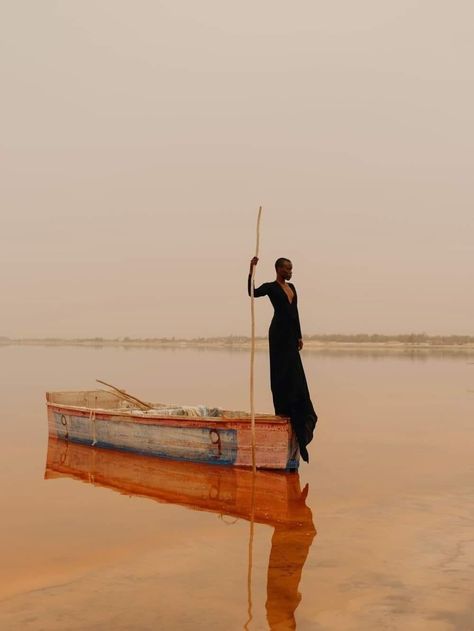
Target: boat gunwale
[(173, 419)]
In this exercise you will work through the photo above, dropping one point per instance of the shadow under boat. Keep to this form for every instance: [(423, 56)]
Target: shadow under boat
[(266, 497)]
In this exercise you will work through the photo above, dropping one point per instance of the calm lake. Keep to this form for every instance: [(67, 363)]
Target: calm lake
[(375, 533)]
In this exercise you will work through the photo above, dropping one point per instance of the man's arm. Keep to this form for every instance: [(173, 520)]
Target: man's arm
[(258, 291)]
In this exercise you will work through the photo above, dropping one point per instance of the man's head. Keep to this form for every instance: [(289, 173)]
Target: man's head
[(284, 268)]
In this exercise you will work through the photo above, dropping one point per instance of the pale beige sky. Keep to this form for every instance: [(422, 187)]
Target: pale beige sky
[(138, 139)]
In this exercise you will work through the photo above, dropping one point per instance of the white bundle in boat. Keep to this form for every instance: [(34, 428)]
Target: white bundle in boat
[(183, 410), (189, 410)]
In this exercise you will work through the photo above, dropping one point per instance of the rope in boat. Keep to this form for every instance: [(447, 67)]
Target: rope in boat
[(252, 350)]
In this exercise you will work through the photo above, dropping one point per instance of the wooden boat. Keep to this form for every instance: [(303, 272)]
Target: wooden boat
[(267, 497), (103, 419)]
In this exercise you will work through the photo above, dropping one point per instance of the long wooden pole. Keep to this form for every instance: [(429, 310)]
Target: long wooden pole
[(252, 350)]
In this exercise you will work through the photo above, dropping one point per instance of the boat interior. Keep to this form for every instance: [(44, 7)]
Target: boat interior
[(121, 401)]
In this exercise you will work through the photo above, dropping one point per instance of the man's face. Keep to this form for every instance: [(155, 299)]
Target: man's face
[(286, 270)]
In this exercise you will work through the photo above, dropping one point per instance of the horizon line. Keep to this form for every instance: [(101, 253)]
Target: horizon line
[(403, 337)]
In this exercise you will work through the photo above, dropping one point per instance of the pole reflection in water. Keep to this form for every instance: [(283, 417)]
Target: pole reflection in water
[(266, 497)]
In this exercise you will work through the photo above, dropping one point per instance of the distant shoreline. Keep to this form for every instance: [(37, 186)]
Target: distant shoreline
[(401, 344)]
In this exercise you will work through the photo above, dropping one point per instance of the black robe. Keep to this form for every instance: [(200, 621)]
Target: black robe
[(288, 382)]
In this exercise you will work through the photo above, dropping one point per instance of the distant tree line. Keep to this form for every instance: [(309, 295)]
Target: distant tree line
[(402, 338), (230, 340)]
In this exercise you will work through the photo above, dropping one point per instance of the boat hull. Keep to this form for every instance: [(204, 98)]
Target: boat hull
[(218, 441)]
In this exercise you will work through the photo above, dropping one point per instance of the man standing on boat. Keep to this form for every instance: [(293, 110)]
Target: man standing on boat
[(288, 381)]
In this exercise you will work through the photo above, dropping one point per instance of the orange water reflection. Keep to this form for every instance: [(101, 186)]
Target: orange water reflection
[(271, 498)]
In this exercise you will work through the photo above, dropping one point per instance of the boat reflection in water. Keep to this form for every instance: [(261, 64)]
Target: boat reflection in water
[(270, 498)]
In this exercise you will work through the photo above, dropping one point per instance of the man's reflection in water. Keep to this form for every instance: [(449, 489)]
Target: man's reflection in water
[(290, 546)]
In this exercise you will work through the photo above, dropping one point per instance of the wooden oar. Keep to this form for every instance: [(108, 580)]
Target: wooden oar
[(126, 396), (122, 396), (252, 350)]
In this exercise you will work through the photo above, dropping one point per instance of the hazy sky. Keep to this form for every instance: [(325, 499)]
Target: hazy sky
[(138, 139)]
